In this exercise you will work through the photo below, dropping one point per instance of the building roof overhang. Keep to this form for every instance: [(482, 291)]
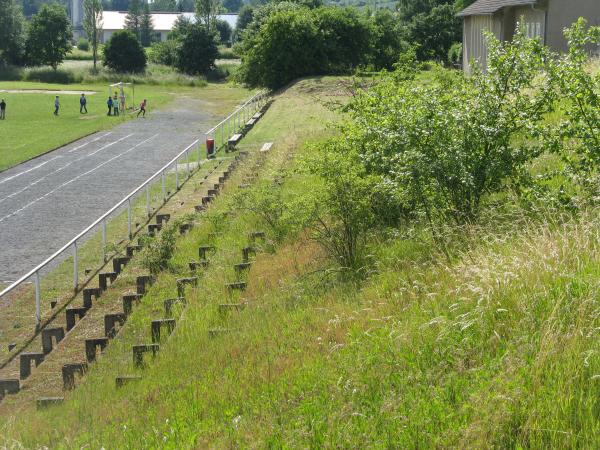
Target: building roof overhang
[(488, 7)]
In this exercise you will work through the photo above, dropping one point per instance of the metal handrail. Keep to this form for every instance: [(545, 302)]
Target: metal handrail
[(256, 99)]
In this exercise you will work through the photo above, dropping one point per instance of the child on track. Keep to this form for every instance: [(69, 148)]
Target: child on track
[(109, 103), (56, 105), (142, 109), (2, 110)]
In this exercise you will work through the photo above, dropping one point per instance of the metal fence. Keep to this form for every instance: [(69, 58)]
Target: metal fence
[(170, 176), (236, 121)]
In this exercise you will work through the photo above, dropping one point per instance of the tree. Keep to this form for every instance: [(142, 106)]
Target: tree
[(244, 19), (164, 5), (233, 6), (146, 26), (124, 53), (224, 30), (133, 20), (295, 41), (386, 40), (197, 51), (49, 36), (434, 32), (180, 28), (206, 13), (12, 36), (92, 24), (120, 5)]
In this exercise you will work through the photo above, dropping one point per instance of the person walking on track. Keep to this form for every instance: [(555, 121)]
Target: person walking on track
[(142, 109), (56, 105), (82, 104), (2, 110), (109, 103)]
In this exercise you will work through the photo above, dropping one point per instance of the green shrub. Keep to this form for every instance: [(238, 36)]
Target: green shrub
[(296, 42), (48, 75), (448, 146), (123, 53), (164, 53), (83, 44), (455, 53), (197, 51)]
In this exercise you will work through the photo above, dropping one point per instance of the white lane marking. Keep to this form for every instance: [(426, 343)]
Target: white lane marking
[(29, 170), (51, 159), (89, 142), (30, 185), (66, 183)]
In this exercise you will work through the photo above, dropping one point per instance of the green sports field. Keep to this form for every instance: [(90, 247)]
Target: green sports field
[(30, 127)]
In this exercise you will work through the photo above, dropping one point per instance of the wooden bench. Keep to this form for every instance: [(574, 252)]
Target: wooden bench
[(233, 141)]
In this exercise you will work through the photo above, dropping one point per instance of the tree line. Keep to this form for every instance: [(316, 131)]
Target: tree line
[(320, 40)]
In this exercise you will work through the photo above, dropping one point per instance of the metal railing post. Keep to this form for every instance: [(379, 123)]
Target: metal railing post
[(148, 211), (129, 218), (104, 240), (164, 187), (38, 301), (176, 176), (75, 269), (187, 161)]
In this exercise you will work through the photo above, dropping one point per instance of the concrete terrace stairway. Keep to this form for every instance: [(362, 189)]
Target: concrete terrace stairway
[(65, 349)]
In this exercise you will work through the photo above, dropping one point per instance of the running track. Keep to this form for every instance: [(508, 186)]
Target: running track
[(47, 201)]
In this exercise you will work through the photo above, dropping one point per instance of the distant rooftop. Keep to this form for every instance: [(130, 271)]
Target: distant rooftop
[(115, 20)]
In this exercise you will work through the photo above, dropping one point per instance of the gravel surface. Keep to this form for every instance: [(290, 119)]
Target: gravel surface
[(47, 201)]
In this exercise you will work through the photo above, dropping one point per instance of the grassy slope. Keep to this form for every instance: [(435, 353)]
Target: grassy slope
[(498, 348), (31, 129)]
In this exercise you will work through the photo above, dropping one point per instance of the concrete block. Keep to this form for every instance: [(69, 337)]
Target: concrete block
[(122, 380), (139, 350), (162, 218), (68, 374), (154, 228), (103, 279), (199, 208), (88, 293), (156, 325), (241, 267), (212, 192), (170, 302), (131, 249), (129, 300), (58, 333), (25, 360), (110, 323), (207, 199), (91, 346), (72, 313), (119, 262), (197, 265), (46, 402), (237, 286), (183, 282), (9, 386), (226, 307), (203, 250), (246, 252), (142, 283), (255, 235), (185, 228)]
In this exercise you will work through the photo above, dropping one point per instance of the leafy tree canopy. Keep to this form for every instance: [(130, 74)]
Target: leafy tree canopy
[(124, 53), (49, 36)]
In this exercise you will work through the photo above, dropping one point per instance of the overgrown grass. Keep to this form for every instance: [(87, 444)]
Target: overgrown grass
[(494, 347)]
